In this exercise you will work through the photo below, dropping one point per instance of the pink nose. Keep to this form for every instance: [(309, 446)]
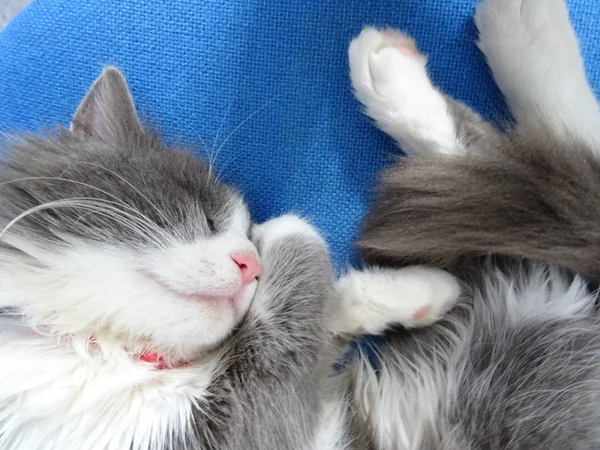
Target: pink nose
[(249, 266)]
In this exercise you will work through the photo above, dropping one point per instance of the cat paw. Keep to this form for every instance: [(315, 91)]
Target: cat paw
[(513, 32), (389, 78), (384, 66), (375, 299), (533, 14), (533, 53), (281, 228), (382, 62)]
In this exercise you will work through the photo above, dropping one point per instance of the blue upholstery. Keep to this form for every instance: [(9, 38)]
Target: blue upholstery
[(275, 72)]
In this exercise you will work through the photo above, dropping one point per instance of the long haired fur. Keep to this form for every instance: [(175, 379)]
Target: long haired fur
[(535, 197), (517, 364)]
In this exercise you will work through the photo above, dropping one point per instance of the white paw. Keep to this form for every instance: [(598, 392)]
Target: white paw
[(534, 15), (390, 79), (521, 34), (283, 227), (373, 300), (531, 49), (382, 63), (534, 56)]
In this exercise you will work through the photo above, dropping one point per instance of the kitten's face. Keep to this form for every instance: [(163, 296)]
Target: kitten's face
[(115, 235)]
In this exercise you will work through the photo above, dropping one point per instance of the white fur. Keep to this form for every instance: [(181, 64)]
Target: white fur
[(282, 227), (534, 55), (399, 398), (374, 299), (390, 79), (56, 396), (333, 426), (60, 390)]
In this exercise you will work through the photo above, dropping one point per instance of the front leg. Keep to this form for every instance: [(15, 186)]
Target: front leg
[(372, 300), (266, 394)]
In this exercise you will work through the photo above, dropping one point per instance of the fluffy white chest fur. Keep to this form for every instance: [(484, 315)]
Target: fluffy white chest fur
[(57, 396)]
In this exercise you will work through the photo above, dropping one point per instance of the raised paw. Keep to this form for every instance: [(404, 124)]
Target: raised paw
[(534, 15), (522, 34), (390, 79), (534, 56), (266, 234), (373, 300), (384, 64)]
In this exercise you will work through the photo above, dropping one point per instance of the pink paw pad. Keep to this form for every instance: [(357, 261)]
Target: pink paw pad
[(422, 313), (403, 43)]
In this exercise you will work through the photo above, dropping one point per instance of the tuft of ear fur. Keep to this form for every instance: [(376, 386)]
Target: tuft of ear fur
[(107, 112), (534, 197)]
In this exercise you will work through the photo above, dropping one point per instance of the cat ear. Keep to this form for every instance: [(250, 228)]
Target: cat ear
[(107, 112)]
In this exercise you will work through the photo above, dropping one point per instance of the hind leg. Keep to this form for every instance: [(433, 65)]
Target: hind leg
[(390, 79), (534, 56)]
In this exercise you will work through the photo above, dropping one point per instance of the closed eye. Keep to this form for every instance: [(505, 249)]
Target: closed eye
[(211, 224)]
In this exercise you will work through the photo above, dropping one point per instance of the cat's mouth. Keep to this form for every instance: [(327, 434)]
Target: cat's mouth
[(199, 297)]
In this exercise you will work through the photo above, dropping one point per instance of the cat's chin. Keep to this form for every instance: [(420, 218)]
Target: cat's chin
[(228, 312)]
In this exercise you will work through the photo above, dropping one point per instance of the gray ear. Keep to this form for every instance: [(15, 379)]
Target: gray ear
[(107, 112)]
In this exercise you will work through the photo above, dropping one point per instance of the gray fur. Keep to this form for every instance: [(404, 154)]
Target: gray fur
[(518, 373), (531, 384), (517, 364), (472, 131), (264, 392), (529, 198), (510, 376), (514, 377)]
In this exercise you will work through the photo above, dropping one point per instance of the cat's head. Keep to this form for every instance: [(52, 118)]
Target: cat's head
[(108, 232)]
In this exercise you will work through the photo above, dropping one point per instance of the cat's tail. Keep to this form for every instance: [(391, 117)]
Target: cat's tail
[(536, 197)]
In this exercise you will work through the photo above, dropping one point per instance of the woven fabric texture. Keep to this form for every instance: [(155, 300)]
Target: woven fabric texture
[(262, 83)]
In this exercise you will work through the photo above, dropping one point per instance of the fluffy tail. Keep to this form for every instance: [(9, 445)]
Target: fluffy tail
[(535, 197)]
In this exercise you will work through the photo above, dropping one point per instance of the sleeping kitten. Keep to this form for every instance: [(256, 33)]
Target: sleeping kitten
[(127, 273), (130, 312), (517, 364)]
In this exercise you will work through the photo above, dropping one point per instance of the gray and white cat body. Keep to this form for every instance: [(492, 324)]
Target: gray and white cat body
[(130, 312), (137, 323), (517, 364)]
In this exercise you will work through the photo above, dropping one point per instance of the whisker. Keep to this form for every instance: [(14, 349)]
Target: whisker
[(148, 225), (241, 125), (205, 148), (101, 207), (214, 160), (81, 183), (223, 168), (130, 224)]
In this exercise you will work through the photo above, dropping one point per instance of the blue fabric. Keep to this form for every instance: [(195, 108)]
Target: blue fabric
[(199, 69)]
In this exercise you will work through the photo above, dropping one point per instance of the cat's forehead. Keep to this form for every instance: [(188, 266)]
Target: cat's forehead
[(121, 192)]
